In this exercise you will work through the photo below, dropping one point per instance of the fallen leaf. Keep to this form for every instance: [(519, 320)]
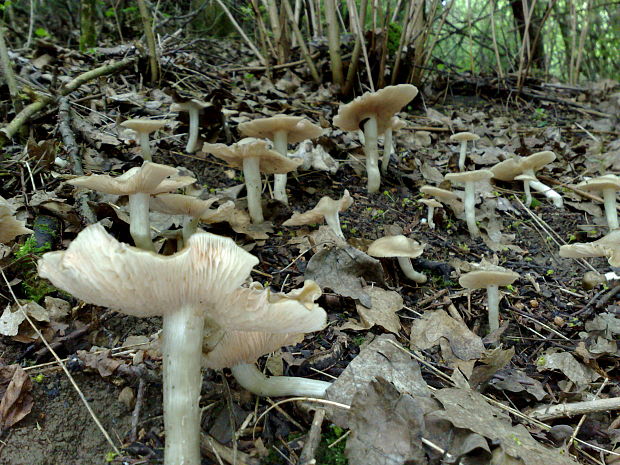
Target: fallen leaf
[(17, 402), (567, 364), (384, 305)]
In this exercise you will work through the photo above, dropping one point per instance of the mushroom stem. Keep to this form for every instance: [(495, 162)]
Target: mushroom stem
[(250, 378), (190, 226), (548, 192), (388, 148), (528, 193), (462, 155), (372, 155), (609, 197), (279, 183), (194, 121), (333, 221), (139, 221), (407, 267), (470, 209), (251, 174), (145, 146), (493, 304), (182, 357), (429, 217)]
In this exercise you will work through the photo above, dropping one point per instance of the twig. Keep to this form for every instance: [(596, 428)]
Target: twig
[(135, 415), (550, 412), (314, 438), (209, 446)]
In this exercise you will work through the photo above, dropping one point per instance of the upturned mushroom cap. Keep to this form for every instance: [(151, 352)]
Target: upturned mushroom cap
[(270, 161), (192, 104), (609, 181), (488, 275), (179, 204), (607, 246), (537, 160), (469, 176), (395, 246), (382, 104), (430, 203), (150, 178), (324, 207), (145, 126), (10, 227), (297, 128), (206, 274), (441, 194), (507, 170), (464, 137)]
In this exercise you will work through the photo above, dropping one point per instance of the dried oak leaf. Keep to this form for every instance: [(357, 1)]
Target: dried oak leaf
[(17, 402), (99, 361)]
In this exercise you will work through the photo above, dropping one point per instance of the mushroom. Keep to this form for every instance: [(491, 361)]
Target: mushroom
[(489, 276), (431, 204), (509, 169), (527, 179), (374, 110), (469, 179), (193, 107), (10, 227), (609, 185), (444, 196), (139, 184), (143, 127), (402, 248), (282, 130), (463, 138), (198, 286), (607, 246), (253, 156), (396, 124), (326, 209), (239, 350)]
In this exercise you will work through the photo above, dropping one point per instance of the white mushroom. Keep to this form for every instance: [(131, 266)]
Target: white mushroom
[(404, 249), (607, 246), (431, 204), (144, 127), (463, 138), (469, 179), (608, 185), (326, 209), (193, 107)]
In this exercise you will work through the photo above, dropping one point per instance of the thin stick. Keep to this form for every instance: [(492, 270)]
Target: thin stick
[(357, 48), (147, 22), (62, 365), (358, 31), (302, 43), (313, 439), (135, 415)]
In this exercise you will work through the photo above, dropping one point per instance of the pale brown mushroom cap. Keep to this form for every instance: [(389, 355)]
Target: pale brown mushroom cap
[(607, 246), (10, 227), (297, 128), (469, 176), (488, 276), (271, 162), (464, 137), (150, 178), (396, 246), (537, 160), (145, 126), (179, 204), (325, 206), (609, 181), (430, 203), (441, 194), (190, 104), (396, 124), (382, 104), (508, 169), (206, 274), (525, 177)]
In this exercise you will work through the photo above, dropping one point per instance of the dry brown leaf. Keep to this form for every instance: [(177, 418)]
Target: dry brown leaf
[(17, 402)]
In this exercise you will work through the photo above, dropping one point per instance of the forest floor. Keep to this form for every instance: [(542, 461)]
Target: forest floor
[(556, 343)]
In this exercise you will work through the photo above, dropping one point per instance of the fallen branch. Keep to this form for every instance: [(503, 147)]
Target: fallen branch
[(550, 412), (313, 439)]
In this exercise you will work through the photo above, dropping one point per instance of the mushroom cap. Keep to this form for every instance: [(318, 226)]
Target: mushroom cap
[(145, 126), (537, 160), (607, 246), (469, 176), (382, 104), (609, 181), (270, 161), (396, 124), (150, 178), (525, 177), (192, 104), (297, 128), (508, 169), (441, 194), (179, 204), (395, 246), (10, 227), (464, 137), (430, 203), (324, 207), (488, 275), (206, 275)]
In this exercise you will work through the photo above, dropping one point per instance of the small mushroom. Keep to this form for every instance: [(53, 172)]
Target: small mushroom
[(527, 179), (404, 249), (374, 110), (193, 107), (396, 124), (469, 179), (444, 196), (139, 184), (509, 169), (463, 138), (326, 209), (490, 277), (607, 246), (253, 156), (144, 127), (431, 204), (608, 185), (10, 227), (282, 130)]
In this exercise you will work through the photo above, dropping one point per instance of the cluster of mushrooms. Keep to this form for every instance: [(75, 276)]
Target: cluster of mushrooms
[(213, 315)]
